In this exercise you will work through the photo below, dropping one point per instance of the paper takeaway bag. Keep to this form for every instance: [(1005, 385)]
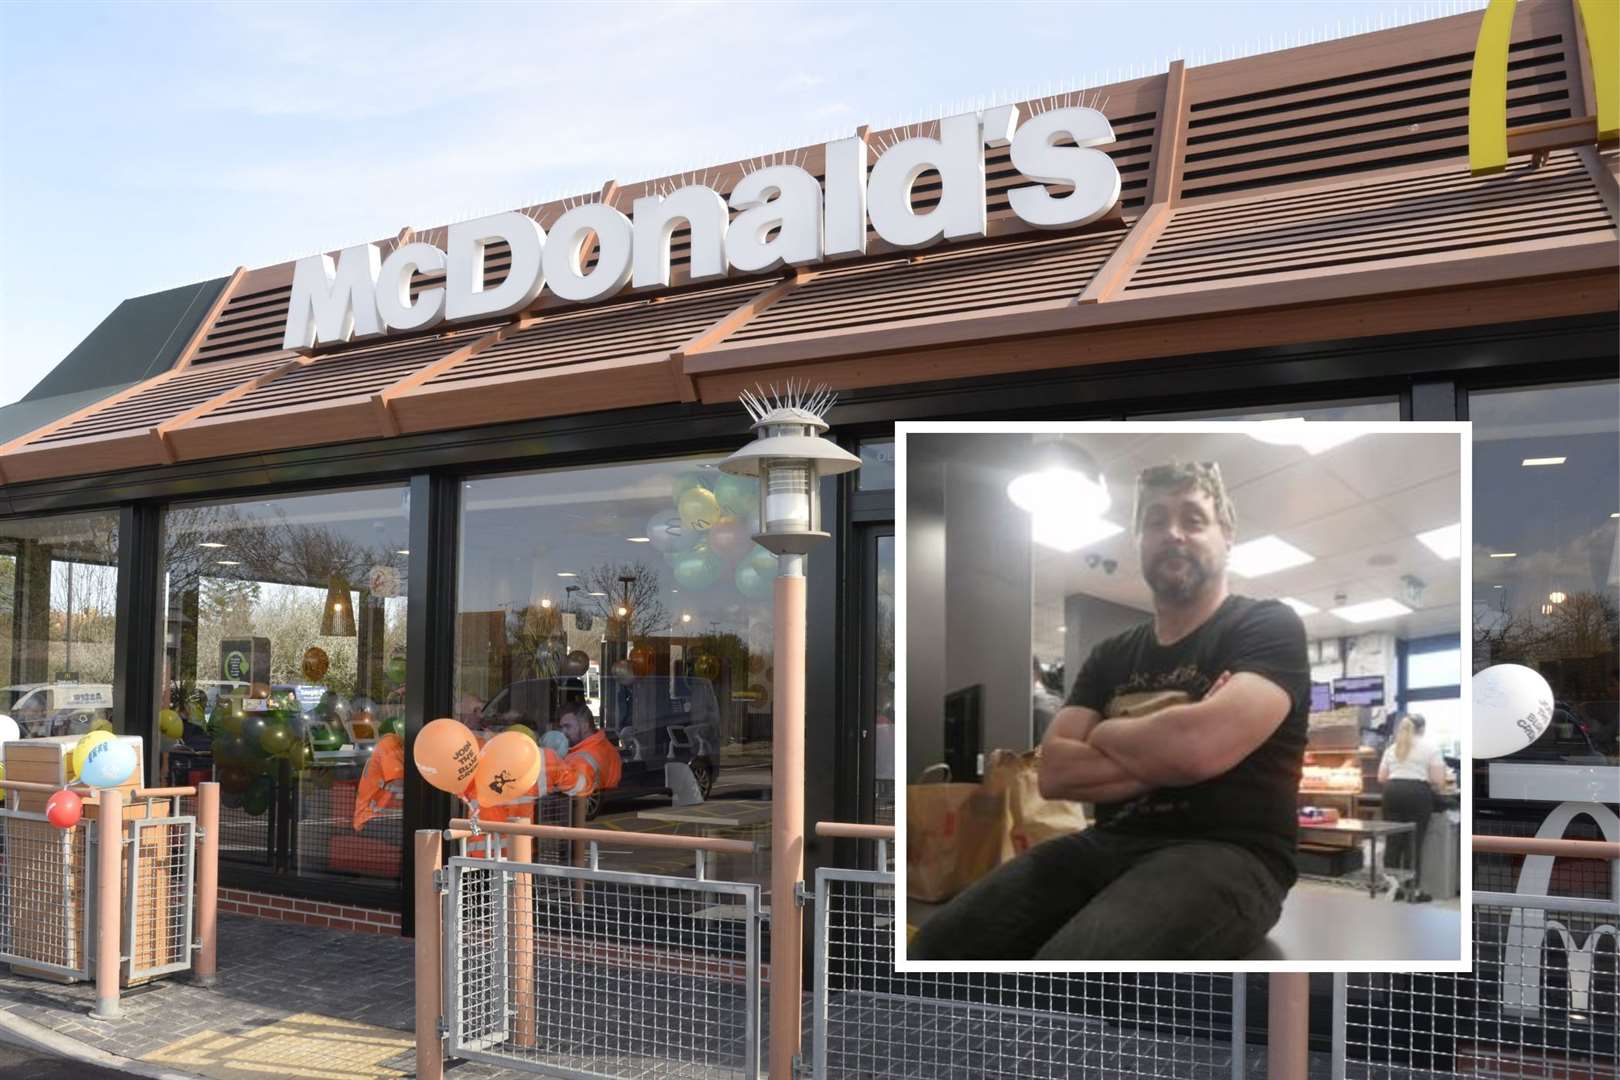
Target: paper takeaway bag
[(1030, 818), (953, 837)]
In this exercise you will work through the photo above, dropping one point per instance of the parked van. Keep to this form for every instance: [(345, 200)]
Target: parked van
[(56, 708)]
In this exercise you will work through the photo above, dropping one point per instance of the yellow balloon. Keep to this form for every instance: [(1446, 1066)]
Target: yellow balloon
[(101, 723), (2, 777), (698, 509), (170, 724), (81, 750)]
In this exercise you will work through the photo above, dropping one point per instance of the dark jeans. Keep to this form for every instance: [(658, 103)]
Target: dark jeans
[(1407, 800), (1098, 895)]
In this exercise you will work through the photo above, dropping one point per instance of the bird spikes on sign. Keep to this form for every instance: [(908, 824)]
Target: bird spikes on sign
[(794, 402)]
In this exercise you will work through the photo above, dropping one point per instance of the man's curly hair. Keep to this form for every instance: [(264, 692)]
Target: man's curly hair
[(1179, 475)]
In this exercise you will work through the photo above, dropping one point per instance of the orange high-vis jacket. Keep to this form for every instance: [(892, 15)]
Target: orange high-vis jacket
[(597, 760), (387, 765)]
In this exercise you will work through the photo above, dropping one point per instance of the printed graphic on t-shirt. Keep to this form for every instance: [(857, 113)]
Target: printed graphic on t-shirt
[(1142, 687)]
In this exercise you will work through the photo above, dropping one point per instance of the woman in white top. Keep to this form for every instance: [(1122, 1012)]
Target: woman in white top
[(1410, 774)]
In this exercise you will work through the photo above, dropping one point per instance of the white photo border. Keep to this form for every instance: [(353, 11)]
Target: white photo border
[(1462, 429)]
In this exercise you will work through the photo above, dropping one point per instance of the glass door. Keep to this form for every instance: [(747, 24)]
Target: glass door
[(876, 710)]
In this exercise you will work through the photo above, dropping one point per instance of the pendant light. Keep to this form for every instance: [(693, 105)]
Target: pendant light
[(337, 614)]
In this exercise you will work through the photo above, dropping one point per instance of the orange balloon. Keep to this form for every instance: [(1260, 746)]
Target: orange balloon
[(509, 768), (446, 754)]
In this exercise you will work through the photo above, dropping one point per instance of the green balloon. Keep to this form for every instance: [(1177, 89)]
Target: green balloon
[(761, 560), (322, 737), (737, 495), (393, 725), (698, 569), (276, 737), (753, 584), (255, 801), (396, 669)]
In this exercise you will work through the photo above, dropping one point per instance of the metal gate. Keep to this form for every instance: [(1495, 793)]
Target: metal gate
[(47, 876), (159, 901), (871, 1021), (578, 972)]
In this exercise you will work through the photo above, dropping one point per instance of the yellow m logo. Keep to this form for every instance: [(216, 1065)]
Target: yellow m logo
[(1487, 90)]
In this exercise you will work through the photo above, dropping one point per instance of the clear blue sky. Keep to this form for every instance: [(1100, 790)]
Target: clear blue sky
[(146, 145)]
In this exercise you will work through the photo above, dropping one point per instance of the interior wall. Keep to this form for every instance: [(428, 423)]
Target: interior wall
[(1089, 621), (987, 607), (968, 598), (925, 607)]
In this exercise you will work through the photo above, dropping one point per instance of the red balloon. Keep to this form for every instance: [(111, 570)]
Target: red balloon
[(64, 809), (730, 539), (641, 661)]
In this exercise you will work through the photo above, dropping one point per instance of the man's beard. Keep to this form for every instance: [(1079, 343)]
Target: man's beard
[(1179, 590)]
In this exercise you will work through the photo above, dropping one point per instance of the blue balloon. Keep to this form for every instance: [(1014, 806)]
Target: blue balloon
[(109, 764), (555, 741)]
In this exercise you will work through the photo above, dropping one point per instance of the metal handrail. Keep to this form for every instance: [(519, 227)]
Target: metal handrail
[(463, 829), (1527, 845), (844, 830)]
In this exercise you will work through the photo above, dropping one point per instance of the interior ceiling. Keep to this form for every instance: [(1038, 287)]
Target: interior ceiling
[(1357, 508)]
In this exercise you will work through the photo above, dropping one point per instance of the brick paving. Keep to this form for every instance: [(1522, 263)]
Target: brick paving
[(268, 972)]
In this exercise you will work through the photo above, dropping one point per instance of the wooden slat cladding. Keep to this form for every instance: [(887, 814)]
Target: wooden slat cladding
[(604, 332), (1419, 214), (165, 399), (949, 282), (1340, 109), (255, 319), (359, 372)]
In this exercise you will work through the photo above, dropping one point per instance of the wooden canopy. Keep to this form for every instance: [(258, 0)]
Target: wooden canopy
[(1317, 193)]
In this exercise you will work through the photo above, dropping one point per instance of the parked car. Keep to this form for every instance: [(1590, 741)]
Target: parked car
[(654, 720)]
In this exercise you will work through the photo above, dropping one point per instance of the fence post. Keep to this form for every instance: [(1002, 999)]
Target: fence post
[(206, 966), (109, 890), (429, 930), (1288, 1025), (522, 938)]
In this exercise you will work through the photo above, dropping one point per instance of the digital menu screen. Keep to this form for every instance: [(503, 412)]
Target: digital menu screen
[(1321, 696), (1358, 690)]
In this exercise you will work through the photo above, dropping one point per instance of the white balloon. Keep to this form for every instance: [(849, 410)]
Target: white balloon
[(1512, 707), (9, 729)]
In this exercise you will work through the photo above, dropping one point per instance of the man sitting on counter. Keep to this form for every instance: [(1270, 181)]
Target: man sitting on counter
[(1188, 733)]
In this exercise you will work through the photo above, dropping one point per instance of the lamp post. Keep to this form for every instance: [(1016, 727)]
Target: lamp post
[(788, 456)]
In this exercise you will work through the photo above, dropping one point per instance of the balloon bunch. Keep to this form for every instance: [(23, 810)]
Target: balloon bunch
[(249, 746), (99, 760), (708, 536), (506, 769)]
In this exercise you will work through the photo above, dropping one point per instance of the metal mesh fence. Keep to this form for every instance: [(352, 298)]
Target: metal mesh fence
[(871, 1021), (1541, 1001), (591, 973), (46, 877), (158, 914)]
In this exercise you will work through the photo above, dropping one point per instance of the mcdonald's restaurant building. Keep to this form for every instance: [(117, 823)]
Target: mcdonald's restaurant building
[(410, 480)]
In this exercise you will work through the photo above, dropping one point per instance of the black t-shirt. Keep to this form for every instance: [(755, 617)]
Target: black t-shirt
[(1253, 804)]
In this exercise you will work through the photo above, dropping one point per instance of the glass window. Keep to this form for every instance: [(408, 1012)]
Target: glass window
[(59, 623), (1425, 670), (877, 466), (1546, 555), (1381, 409), (627, 604), (284, 666)]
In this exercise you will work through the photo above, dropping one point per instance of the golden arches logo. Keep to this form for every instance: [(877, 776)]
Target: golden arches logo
[(1488, 88)]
